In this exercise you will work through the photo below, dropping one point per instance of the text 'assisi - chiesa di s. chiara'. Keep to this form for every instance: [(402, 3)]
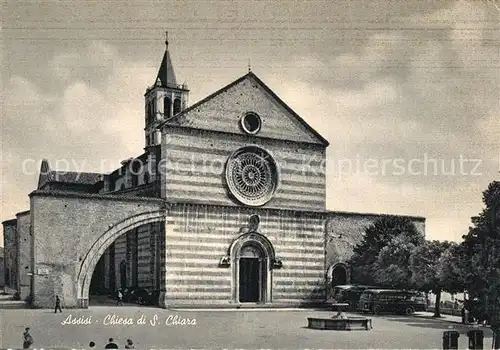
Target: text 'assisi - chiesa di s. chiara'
[(219, 210)]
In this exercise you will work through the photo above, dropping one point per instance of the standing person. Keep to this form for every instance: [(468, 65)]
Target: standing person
[(119, 297), (58, 304), (463, 313), (130, 344), (466, 314), (27, 339), (111, 344)]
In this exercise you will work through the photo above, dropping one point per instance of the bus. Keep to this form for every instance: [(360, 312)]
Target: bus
[(349, 294), (378, 301)]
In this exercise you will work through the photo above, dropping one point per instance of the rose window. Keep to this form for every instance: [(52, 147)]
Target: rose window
[(252, 176)]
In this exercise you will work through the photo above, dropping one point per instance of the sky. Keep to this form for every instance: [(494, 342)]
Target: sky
[(406, 91)]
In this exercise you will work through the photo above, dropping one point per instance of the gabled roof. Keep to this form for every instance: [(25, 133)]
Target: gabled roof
[(47, 175), (75, 177), (266, 88), (166, 73)]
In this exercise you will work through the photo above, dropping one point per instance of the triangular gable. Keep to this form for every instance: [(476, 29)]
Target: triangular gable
[(222, 111), (44, 173)]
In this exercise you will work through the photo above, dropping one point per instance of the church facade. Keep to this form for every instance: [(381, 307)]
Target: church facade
[(225, 207)]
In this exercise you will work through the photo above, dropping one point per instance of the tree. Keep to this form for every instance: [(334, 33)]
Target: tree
[(367, 260), (424, 262), (454, 268), (392, 267), (482, 247)]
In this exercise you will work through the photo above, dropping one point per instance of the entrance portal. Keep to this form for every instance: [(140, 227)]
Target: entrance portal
[(251, 274), (249, 280), (252, 256), (339, 275)]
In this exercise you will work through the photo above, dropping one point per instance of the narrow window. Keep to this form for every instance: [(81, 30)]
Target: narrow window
[(149, 113), (135, 180), (177, 105), (122, 187), (166, 106), (135, 170)]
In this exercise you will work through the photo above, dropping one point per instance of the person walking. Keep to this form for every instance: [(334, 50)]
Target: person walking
[(58, 304), (27, 339)]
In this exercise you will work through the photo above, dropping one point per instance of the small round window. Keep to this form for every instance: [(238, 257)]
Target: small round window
[(251, 123)]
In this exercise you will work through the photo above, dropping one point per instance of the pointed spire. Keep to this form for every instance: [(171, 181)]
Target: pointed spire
[(166, 73)]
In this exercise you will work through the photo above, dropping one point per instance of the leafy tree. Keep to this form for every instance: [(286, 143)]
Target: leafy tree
[(482, 248), (424, 262), (367, 261), (392, 267), (454, 268)]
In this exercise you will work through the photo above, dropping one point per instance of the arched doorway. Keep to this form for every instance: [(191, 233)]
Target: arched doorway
[(339, 275), (251, 273), (97, 283), (88, 264), (252, 255)]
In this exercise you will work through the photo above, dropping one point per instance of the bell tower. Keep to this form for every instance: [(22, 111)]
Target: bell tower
[(163, 100)]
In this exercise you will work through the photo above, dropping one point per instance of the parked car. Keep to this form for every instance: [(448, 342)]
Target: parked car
[(391, 300)]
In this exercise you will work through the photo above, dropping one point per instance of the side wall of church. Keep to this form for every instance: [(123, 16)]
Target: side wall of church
[(10, 254), (24, 262), (194, 166), (345, 230), (137, 177), (120, 255), (197, 236), (144, 275), (140, 249)]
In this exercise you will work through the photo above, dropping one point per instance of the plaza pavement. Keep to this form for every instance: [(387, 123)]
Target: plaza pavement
[(216, 329)]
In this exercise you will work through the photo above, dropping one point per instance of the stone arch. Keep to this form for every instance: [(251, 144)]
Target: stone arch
[(263, 244), (98, 248), (336, 267)]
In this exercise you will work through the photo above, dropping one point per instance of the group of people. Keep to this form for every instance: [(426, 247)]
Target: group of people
[(112, 345), (28, 341)]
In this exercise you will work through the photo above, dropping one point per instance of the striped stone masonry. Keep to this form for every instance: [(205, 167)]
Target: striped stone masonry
[(194, 168), (198, 236)]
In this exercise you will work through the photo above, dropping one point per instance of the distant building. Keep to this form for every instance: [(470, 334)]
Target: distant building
[(226, 206)]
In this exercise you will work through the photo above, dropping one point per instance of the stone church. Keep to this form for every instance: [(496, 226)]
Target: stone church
[(225, 208)]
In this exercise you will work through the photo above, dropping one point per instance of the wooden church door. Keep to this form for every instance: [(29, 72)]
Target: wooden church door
[(250, 274)]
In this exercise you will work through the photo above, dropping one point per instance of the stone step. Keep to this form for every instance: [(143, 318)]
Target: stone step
[(12, 304), (6, 297)]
